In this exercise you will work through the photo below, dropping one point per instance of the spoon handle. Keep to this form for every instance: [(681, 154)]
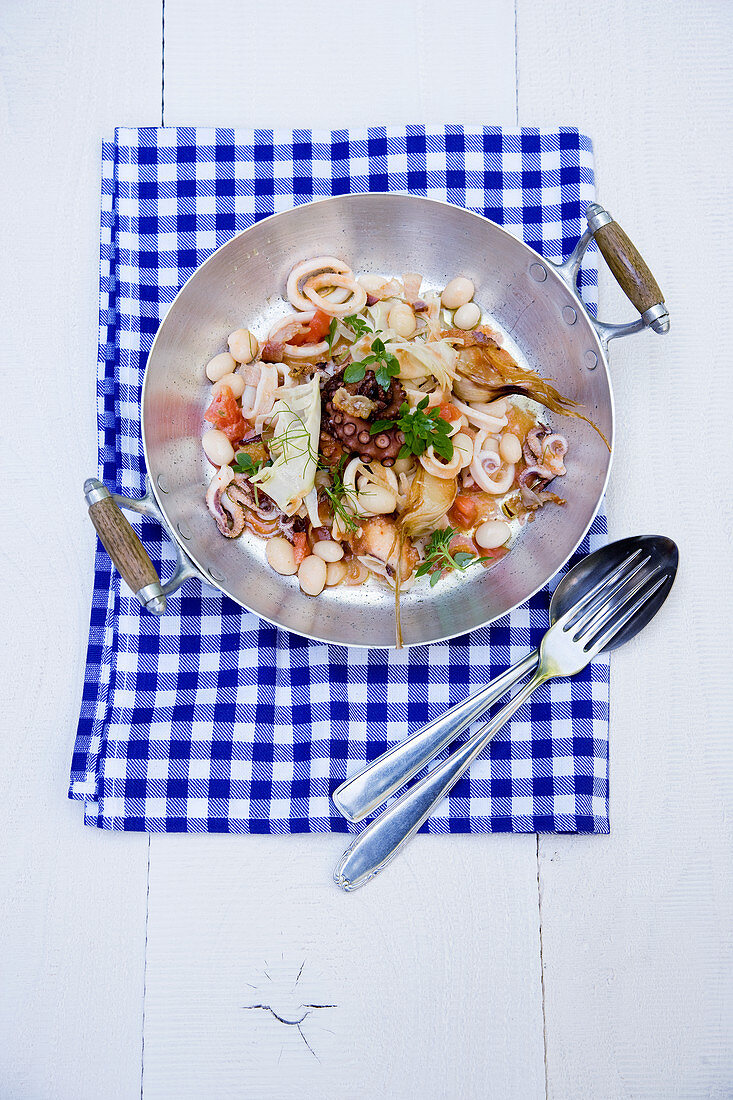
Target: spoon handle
[(380, 842), (363, 792)]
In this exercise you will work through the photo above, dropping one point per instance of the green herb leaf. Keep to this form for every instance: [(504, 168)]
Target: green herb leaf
[(338, 495), (438, 558), (331, 333), (380, 426), (245, 464), (357, 324), (421, 430), (354, 372)]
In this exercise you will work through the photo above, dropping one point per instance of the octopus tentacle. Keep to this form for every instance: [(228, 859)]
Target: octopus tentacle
[(353, 432), (230, 514)]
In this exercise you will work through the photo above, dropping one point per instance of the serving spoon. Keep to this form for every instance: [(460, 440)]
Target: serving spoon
[(363, 792), (618, 600)]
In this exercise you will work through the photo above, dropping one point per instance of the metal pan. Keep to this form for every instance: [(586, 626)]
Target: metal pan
[(241, 285)]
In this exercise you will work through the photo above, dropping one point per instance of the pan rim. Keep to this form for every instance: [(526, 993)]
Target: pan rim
[(553, 274)]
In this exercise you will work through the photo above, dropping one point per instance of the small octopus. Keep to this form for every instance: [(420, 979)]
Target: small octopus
[(352, 431)]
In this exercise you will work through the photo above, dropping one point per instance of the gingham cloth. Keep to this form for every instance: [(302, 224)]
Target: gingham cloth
[(208, 718)]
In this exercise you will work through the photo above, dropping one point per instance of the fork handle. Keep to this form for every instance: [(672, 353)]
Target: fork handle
[(363, 792), (380, 842)]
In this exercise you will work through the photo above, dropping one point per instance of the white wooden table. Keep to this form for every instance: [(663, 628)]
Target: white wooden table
[(479, 966)]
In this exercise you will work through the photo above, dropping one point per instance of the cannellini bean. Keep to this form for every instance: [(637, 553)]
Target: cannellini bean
[(281, 557), (457, 293), (402, 320), (221, 364), (243, 345), (510, 448), (467, 316), (335, 572), (371, 283), (492, 534), (464, 444), (403, 465), (234, 382), (375, 500), (217, 447), (312, 575), (329, 550)]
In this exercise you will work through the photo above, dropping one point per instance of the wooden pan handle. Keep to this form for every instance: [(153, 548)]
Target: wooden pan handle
[(127, 553), (628, 267)]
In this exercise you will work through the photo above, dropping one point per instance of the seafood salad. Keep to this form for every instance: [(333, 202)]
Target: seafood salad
[(379, 431)]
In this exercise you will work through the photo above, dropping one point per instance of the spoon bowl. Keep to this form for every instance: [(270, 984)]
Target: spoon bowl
[(663, 556)]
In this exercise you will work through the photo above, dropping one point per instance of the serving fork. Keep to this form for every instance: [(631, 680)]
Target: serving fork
[(569, 645)]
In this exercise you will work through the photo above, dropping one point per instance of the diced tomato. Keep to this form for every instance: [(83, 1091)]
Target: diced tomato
[(300, 545), (463, 513), (493, 556), (462, 544), (225, 414), (317, 330), (449, 412)]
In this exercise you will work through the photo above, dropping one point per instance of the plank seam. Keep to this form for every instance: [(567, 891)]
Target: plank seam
[(542, 971), (162, 64), (516, 62), (145, 973)]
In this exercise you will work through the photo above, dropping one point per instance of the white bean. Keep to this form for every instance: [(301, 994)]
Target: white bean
[(371, 283), (510, 448), (235, 382), (281, 557), (463, 443), (492, 534), (467, 316), (312, 575), (217, 447), (328, 550), (243, 345), (221, 364), (335, 572), (457, 292), (403, 465), (401, 320), (375, 500)]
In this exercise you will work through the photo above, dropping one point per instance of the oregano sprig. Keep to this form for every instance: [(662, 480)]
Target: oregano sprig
[(420, 429), (438, 558)]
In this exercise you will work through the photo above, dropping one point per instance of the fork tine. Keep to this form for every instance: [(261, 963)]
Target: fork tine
[(609, 579), (590, 613), (618, 624), (597, 617)]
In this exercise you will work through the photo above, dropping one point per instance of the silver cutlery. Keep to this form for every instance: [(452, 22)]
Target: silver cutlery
[(619, 600), (361, 794)]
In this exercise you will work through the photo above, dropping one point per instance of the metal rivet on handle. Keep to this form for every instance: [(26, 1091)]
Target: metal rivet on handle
[(591, 360), (538, 272), (183, 531), (569, 315), (160, 482), (217, 576)]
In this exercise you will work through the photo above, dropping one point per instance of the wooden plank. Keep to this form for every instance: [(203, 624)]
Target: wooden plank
[(73, 900), (637, 926), (333, 64), (433, 969), (425, 983)]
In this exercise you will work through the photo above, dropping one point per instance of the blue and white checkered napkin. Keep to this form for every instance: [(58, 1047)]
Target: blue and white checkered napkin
[(210, 719)]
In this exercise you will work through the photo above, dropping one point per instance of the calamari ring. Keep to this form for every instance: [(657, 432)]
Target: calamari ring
[(307, 268), (354, 304)]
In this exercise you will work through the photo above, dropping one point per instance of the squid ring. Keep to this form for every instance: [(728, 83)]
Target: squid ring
[(307, 268), (354, 304)]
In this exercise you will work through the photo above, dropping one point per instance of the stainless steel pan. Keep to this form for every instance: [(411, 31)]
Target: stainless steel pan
[(241, 285)]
